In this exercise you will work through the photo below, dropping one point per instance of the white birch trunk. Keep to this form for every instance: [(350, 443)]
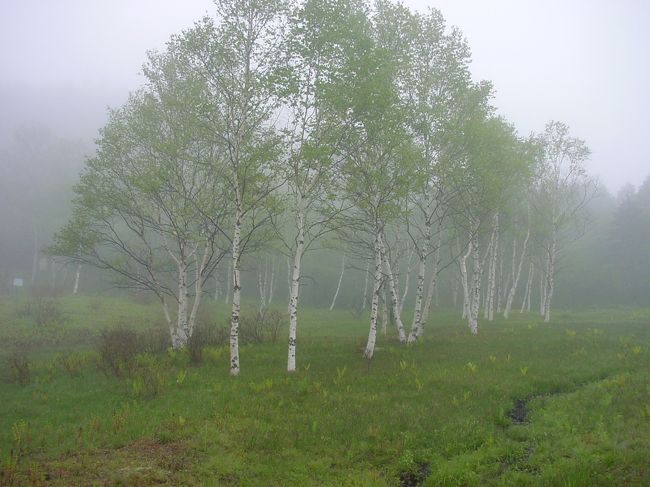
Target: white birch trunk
[(261, 283), (407, 279), (515, 282), (464, 281), (433, 286), (421, 315), (182, 333), (271, 282), (493, 271), (294, 290), (419, 291), (374, 304), (168, 319), (530, 292), (365, 288), (476, 287), (393, 292), (236, 293), (338, 286), (77, 275), (550, 278), (198, 289)]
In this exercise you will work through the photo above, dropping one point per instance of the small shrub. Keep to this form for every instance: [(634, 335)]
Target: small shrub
[(117, 350), (20, 368), (44, 311), (73, 363), (263, 326), (148, 378)]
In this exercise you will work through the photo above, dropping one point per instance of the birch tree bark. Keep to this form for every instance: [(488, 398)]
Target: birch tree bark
[(393, 292), (338, 286), (236, 292), (294, 290), (77, 274), (374, 304), (515, 282), (476, 286)]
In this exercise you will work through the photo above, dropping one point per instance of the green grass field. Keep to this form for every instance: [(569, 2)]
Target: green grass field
[(523, 403)]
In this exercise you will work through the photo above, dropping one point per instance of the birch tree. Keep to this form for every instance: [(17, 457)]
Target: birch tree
[(312, 59), (563, 191), (236, 56), (377, 153), (140, 206)]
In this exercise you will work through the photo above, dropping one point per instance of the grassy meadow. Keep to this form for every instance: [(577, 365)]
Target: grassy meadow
[(523, 403)]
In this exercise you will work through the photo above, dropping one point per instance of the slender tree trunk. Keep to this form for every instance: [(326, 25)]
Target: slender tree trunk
[(515, 282), (182, 331), (236, 293), (295, 289), (365, 288), (495, 250), (465, 281), (525, 305), (198, 289), (217, 286), (271, 281), (338, 286), (550, 278), (501, 285), (261, 283), (492, 270), (77, 275), (393, 293), (419, 291), (476, 286), (374, 304), (433, 285), (406, 280), (168, 319)]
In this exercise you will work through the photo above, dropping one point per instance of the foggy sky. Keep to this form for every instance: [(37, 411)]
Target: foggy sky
[(582, 62)]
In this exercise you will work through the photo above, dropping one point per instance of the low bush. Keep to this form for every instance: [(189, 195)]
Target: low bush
[(117, 350), (44, 311), (19, 368), (117, 347), (148, 376), (263, 326)]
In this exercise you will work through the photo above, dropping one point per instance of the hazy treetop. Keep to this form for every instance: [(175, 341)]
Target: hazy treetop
[(583, 62)]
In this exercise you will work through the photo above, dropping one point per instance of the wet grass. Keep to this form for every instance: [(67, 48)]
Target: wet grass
[(437, 413)]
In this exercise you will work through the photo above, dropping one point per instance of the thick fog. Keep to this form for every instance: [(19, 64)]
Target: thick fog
[(63, 63), (582, 62)]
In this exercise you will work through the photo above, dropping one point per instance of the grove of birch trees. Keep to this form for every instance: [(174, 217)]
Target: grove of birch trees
[(276, 128)]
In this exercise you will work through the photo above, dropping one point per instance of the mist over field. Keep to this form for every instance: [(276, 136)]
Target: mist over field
[(324, 242)]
